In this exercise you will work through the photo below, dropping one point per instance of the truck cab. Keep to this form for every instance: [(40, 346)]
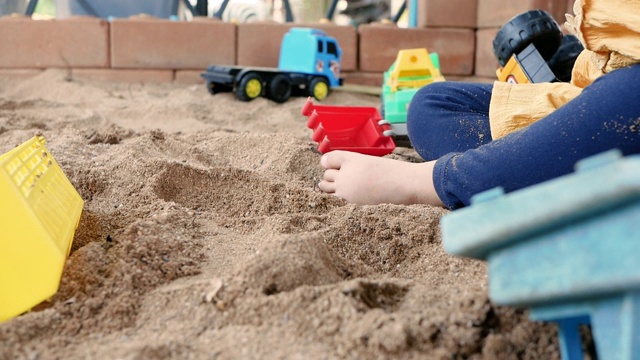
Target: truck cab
[(311, 51)]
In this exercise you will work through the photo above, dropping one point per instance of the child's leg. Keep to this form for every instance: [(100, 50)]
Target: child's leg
[(446, 117), (605, 116)]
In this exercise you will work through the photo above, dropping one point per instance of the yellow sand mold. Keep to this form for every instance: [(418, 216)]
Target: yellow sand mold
[(39, 212)]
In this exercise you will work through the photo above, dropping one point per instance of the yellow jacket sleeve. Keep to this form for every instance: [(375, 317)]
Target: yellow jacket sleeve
[(514, 106)]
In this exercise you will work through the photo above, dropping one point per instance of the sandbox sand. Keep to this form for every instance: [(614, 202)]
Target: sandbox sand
[(203, 236)]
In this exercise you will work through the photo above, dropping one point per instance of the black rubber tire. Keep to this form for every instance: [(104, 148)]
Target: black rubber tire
[(563, 60), (279, 88), (534, 26), (214, 88), (402, 141), (211, 86), (250, 87), (318, 88)]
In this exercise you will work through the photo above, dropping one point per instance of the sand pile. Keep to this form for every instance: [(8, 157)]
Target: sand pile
[(204, 236)]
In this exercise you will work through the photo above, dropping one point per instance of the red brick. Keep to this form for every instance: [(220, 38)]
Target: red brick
[(569, 9), (379, 46), (447, 13), (73, 42), (19, 73), (163, 44), (557, 8), (189, 76), (486, 62), (123, 75), (259, 43), (494, 13), (363, 78)]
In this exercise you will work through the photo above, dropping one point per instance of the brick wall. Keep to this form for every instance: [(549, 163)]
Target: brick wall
[(142, 49)]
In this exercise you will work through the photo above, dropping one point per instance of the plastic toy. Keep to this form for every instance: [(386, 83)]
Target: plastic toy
[(309, 65), (567, 249), (365, 129), (531, 49), (39, 213), (353, 128), (412, 69)]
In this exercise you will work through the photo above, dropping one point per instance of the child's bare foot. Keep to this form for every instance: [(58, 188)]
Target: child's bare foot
[(364, 179)]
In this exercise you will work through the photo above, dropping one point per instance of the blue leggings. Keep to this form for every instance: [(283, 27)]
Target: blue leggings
[(449, 121)]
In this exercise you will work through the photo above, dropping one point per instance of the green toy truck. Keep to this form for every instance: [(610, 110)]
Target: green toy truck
[(412, 69)]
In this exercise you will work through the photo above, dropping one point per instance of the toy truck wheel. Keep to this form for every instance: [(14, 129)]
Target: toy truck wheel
[(534, 26), (279, 88), (563, 60), (216, 88), (319, 88), (250, 87)]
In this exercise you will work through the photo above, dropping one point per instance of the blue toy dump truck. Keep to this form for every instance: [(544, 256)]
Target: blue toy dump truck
[(309, 65)]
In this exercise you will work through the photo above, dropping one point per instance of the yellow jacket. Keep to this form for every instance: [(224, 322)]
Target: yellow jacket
[(610, 32)]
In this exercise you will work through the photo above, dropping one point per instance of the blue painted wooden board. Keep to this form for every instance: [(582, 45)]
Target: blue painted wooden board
[(596, 256), (568, 249)]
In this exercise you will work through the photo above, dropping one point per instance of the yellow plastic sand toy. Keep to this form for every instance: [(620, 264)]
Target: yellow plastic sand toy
[(39, 212)]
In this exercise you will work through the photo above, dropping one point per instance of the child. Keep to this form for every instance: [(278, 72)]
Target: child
[(475, 137)]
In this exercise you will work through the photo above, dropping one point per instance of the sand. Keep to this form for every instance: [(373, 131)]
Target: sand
[(203, 236)]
